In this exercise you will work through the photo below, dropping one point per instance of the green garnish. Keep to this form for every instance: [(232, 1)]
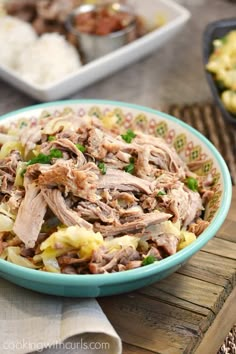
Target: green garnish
[(128, 136), (23, 124), (161, 193), (102, 167), (41, 158), (23, 172), (130, 168), (80, 147), (46, 159), (51, 138), (55, 153), (192, 184), (148, 260)]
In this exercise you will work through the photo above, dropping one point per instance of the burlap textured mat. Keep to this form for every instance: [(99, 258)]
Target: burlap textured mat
[(229, 346), (207, 119)]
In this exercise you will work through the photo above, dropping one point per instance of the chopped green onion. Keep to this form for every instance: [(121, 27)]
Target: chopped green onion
[(192, 184), (129, 136), (55, 153), (161, 193), (102, 167), (41, 158), (80, 147), (23, 124), (51, 138), (46, 159), (23, 172), (130, 168), (148, 260)]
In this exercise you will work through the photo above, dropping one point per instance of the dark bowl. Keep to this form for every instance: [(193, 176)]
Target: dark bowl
[(213, 31)]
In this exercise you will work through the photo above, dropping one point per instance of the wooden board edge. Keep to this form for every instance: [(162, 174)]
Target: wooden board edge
[(223, 323)]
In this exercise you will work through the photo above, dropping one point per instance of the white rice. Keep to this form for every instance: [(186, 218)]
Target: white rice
[(48, 59), (15, 36)]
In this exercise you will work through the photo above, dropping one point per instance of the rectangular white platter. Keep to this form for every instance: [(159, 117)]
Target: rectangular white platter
[(175, 18)]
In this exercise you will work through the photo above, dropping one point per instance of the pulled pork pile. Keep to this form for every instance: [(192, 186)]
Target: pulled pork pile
[(78, 198), (45, 15)]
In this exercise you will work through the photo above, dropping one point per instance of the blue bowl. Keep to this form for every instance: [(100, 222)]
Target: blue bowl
[(190, 145)]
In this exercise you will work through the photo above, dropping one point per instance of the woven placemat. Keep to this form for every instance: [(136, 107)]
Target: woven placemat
[(207, 119), (229, 346)]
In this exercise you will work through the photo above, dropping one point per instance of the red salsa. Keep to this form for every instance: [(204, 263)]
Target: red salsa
[(102, 21)]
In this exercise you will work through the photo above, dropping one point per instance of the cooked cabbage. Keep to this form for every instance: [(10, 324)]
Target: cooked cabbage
[(48, 257), (6, 218), (13, 255), (165, 227), (59, 123), (109, 120), (10, 146), (20, 174), (186, 238), (66, 239), (6, 224), (4, 138), (4, 209), (74, 237), (121, 242)]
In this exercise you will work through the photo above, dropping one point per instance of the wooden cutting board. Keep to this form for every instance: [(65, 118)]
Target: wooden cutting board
[(191, 311)]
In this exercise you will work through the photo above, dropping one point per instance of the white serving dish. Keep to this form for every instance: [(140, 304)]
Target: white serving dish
[(175, 15)]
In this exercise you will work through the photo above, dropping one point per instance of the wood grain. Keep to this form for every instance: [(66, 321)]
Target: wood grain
[(223, 248), (223, 323), (193, 293), (228, 230), (131, 349), (175, 315), (208, 267), (151, 324)]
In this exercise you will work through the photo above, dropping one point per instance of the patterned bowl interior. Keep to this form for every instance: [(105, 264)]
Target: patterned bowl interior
[(190, 144)]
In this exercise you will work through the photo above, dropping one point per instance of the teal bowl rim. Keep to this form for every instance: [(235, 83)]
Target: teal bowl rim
[(143, 272)]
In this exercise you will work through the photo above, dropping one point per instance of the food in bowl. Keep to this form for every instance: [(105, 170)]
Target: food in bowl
[(82, 195), (56, 59), (46, 16), (102, 20), (222, 64), (38, 60), (42, 50), (15, 37), (100, 29), (192, 147)]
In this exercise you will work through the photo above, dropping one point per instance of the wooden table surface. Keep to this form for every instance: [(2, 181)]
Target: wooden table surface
[(191, 311)]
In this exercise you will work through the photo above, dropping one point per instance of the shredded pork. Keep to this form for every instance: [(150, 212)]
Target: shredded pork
[(76, 173)]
